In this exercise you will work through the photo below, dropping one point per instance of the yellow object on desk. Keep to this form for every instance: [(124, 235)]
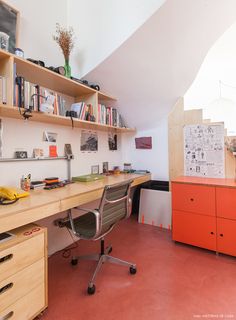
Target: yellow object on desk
[(11, 193)]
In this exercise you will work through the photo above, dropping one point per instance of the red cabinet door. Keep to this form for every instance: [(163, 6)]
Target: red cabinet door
[(193, 198), (194, 229), (226, 236), (226, 202)]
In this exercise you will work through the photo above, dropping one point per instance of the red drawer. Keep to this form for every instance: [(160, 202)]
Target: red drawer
[(226, 236), (193, 198), (194, 229), (226, 203)]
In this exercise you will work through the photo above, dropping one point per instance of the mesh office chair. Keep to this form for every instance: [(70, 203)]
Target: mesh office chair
[(115, 205)]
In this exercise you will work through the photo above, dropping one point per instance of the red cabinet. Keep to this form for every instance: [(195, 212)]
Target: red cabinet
[(204, 214), (194, 229)]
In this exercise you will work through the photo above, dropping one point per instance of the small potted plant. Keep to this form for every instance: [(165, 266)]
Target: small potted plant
[(65, 38)]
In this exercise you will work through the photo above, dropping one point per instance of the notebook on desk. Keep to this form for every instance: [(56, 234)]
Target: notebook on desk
[(88, 178)]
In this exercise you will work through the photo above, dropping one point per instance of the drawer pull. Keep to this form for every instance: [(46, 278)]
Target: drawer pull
[(221, 235), (6, 287), (6, 258), (7, 316), (191, 199), (212, 232)]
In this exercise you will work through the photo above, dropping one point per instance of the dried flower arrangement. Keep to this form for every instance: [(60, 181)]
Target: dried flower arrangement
[(65, 38)]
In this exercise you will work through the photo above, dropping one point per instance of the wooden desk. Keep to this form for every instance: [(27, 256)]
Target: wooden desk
[(45, 203)]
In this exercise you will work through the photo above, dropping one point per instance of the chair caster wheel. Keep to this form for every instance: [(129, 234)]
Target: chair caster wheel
[(132, 270), (91, 290), (74, 262)]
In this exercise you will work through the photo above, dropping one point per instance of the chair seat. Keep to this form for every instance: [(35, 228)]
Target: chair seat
[(85, 225)]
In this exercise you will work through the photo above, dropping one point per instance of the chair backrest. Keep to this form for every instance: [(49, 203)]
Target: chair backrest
[(115, 205)]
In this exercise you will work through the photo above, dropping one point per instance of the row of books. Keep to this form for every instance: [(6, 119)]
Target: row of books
[(100, 114), (29, 95), (3, 90)]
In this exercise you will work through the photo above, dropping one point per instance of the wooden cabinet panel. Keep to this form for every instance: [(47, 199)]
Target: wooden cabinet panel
[(193, 198), (27, 307), (226, 202), (194, 229), (226, 236), (21, 283), (23, 254)]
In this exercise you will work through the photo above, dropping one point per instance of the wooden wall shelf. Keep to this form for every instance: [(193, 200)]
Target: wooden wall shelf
[(74, 91), (13, 112)]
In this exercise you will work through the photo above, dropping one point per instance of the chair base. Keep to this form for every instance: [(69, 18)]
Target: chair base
[(102, 258)]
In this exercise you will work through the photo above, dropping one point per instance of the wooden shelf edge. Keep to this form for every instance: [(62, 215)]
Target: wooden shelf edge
[(13, 112)]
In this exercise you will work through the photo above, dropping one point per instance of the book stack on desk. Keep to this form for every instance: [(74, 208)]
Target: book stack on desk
[(37, 185)]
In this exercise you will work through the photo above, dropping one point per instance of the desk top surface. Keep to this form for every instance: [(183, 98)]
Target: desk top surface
[(42, 198)]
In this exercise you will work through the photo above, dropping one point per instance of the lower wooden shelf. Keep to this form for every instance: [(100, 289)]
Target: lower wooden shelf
[(13, 112)]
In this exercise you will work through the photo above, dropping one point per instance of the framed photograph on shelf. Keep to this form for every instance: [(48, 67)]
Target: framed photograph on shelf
[(95, 169)]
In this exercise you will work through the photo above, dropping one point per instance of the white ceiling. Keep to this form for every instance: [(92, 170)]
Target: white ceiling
[(158, 63)]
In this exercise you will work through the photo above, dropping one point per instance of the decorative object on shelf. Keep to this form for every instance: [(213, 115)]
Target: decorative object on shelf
[(38, 153), (105, 167), (53, 151), (95, 169), (65, 38), (89, 141), (45, 107), (9, 26), (4, 41), (59, 70), (38, 62), (21, 154), (116, 170), (127, 167), (68, 151), (50, 136), (112, 141), (143, 143), (19, 52)]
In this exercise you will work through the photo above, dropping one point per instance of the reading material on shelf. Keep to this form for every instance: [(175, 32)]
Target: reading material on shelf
[(3, 90)]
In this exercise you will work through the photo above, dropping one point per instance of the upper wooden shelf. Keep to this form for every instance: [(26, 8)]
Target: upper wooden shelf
[(13, 112)]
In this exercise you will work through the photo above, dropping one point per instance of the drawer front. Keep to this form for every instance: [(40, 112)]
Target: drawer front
[(226, 203), (21, 255), (26, 308), (194, 229), (226, 236), (21, 283), (193, 198)]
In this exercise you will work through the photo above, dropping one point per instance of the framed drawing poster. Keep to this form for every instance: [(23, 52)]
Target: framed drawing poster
[(9, 24)]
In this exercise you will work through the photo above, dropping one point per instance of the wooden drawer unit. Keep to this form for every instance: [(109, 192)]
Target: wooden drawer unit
[(23, 273), (27, 307), (226, 203), (194, 229), (16, 258), (193, 198)]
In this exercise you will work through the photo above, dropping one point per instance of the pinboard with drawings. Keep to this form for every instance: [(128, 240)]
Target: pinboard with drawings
[(204, 150)]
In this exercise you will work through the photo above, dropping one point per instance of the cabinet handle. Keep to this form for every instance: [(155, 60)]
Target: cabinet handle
[(191, 199), (221, 235), (6, 287), (7, 316), (6, 258), (212, 232)]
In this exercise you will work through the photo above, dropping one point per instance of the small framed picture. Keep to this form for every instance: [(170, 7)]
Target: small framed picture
[(38, 153), (50, 136), (104, 167), (21, 155), (95, 169)]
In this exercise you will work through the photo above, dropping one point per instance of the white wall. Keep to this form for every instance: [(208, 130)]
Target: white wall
[(37, 27), (102, 26), (156, 159), (219, 65)]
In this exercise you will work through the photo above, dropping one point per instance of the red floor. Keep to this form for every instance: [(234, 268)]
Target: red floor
[(174, 281)]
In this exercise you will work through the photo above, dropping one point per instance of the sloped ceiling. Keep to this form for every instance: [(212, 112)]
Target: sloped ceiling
[(158, 63)]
